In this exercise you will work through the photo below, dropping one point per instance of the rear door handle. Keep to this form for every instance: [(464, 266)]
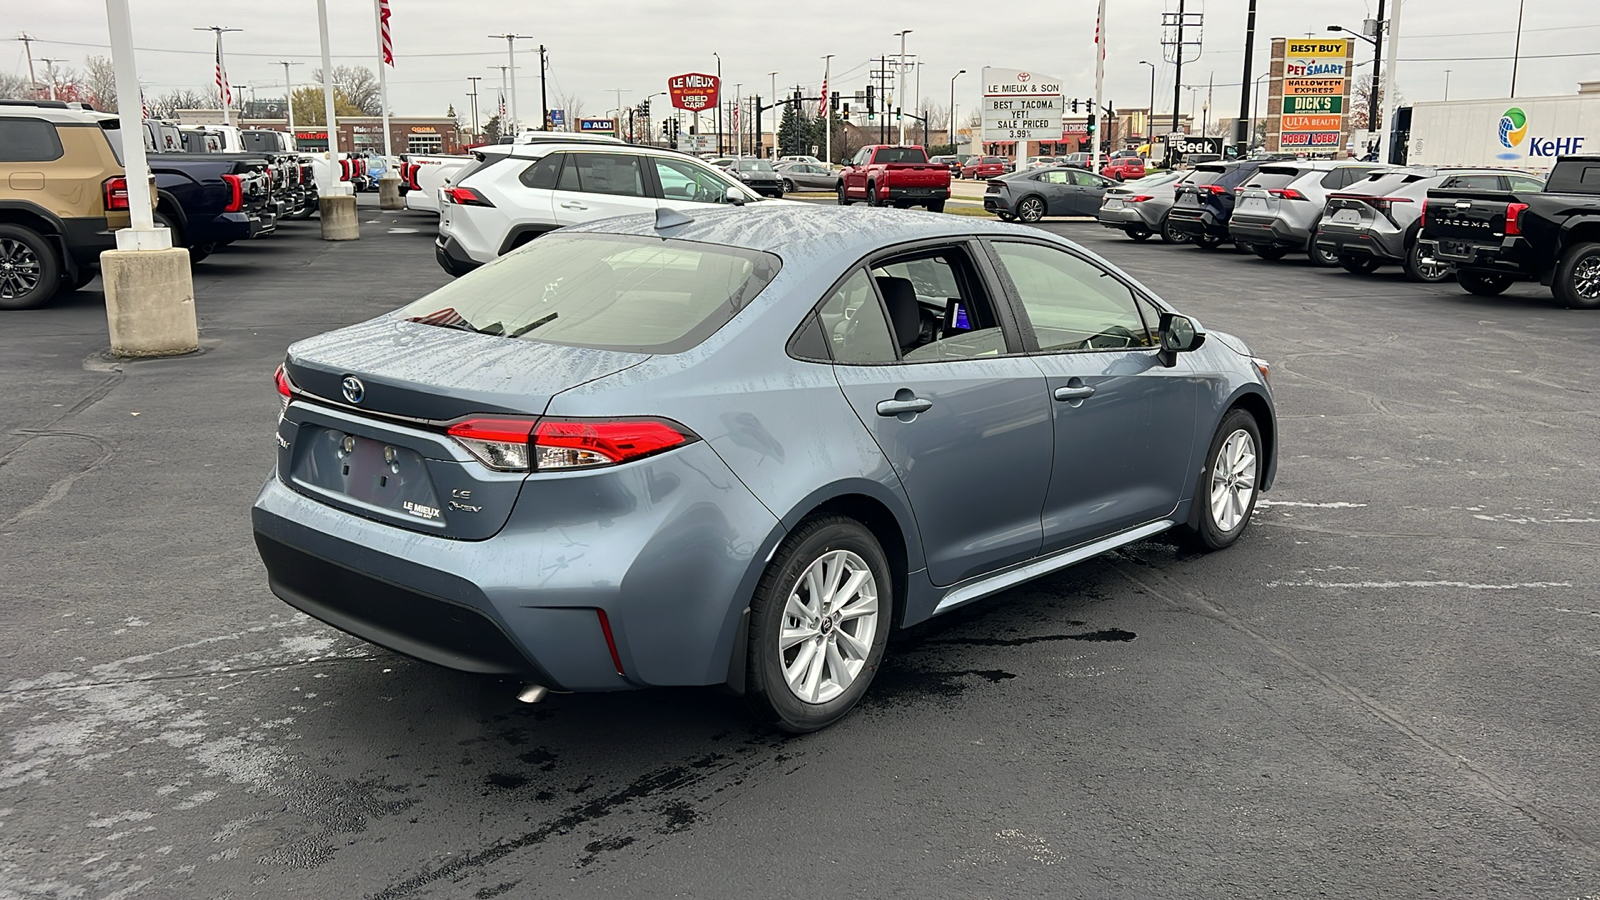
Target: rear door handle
[(573, 204), (888, 408), (1074, 393)]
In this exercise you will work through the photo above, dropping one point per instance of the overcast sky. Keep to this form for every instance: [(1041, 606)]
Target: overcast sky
[(598, 45)]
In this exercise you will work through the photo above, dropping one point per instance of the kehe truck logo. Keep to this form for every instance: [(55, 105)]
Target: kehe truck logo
[(1513, 130)]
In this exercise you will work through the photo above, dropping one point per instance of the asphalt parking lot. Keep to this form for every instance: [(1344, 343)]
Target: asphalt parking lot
[(1387, 688)]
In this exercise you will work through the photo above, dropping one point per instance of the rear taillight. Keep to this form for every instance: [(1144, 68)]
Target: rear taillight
[(411, 177), (1287, 194), (116, 193), (465, 196), (235, 185), (522, 445), (586, 443), (1140, 199), (1514, 217), (500, 444), (1385, 204), (285, 387), (1423, 219), (1216, 190)]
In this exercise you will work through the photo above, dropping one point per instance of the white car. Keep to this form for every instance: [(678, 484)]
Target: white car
[(510, 194), (808, 160)]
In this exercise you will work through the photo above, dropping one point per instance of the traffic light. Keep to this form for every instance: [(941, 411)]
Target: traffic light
[(833, 102), (870, 108), (1091, 124), (897, 113), (797, 97), (1074, 105), (846, 107)]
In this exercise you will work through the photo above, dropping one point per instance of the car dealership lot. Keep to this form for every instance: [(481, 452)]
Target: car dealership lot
[(1388, 683)]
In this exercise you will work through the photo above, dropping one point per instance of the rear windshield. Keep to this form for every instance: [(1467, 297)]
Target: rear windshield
[(1205, 175), (753, 165), (607, 292), (1273, 177), (995, 159), (478, 161), (901, 155), (1150, 181), (261, 141)]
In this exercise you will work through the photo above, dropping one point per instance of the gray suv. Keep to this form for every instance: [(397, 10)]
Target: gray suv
[(1278, 208), (718, 449), (1376, 222)]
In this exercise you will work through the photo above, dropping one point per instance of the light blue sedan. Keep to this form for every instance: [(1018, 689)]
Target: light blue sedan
[(741, 449)]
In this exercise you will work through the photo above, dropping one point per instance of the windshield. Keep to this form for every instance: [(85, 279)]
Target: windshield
[(604, 291), (753, 165)]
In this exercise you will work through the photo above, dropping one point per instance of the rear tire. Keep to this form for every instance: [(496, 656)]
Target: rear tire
[(1225, 495), (1266, 252), (1483, 285), (1137, 233), (804, 612), (1321, 257), (936, 206), (872, 195), (1170, 235), (1577, 278), (1416, 270), (30, 273), (1359, 265), (1207, 242)]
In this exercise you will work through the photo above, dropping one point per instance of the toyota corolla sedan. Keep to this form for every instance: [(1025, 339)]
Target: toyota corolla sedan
[(742, 448)]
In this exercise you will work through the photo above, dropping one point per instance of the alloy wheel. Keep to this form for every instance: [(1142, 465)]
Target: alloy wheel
[(1586, 278), (19, 269), (829, 623), (1233, 480), (1031, 209), (1429, 271)]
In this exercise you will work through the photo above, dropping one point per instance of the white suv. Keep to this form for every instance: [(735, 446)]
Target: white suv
[(510, 194)]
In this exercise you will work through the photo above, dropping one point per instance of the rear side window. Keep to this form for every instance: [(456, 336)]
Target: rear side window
[(1473, 182), (542, 174), (608, 292), (28, 140), (479, 161), (1524, 184), (853, 321), (618, 174)]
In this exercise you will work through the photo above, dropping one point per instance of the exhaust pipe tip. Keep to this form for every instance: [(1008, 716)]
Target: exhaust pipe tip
[(533, 693)]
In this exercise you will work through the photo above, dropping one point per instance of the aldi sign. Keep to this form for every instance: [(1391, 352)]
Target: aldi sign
[(598, 126)]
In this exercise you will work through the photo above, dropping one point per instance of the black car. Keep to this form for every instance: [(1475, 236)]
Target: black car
[(1205, 201), (758, 175)]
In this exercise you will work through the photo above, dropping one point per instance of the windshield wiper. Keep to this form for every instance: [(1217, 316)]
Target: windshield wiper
[(534, 324)]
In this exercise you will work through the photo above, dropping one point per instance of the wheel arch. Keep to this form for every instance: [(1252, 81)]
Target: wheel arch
[(14, 212), (1252, 400), (1578, 230), (522, 234)]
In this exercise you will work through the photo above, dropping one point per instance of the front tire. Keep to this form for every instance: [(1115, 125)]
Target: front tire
[(1483, 285), (844, 198), (1577, 278), (1226, 494), (1030, 209), (819, 622), (30, 274), (788, 186)]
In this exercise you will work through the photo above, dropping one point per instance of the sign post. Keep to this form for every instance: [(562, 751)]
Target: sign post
[(1020, 106)]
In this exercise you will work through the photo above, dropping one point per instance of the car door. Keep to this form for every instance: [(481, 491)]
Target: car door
[(1056, 186), (1124, 423), (966, 426), (1089, 190), (598, 185)]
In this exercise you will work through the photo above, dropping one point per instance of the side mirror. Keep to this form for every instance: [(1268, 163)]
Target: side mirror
[(1179, 334), (734, 196)]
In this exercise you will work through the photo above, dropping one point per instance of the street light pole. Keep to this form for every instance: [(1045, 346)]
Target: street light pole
[(1150, 116), (288, 92), (952, 128), (719, 104), (222, 69), (511, 62), (1390, 102), (1243, 131), (474, 95), (1447, 84), (774, 99), (50, 72), (827, 111), (900, 83)]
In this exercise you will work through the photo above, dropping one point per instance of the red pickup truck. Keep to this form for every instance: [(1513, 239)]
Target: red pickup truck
[(883, 174)]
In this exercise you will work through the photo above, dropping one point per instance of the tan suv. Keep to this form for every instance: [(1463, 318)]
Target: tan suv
[(62, 198)]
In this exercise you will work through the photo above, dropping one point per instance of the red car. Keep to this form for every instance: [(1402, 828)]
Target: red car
[(985, 167), (1124, 168)]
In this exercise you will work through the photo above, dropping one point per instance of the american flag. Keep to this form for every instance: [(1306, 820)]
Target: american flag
[(502, 105), (822, 102), (736, 108), (222, 77), (383, 31), (144, 104)]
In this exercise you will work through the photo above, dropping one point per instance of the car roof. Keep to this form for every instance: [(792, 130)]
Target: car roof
[(58, 112), (543, 148)]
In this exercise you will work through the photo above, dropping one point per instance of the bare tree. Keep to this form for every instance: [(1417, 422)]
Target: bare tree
[(357, 84), (167, 105), (99, 83), (571, 105), (15, 87)]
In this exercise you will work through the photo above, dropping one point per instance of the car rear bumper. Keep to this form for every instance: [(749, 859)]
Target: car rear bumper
[(1388, 246), (448, 254), (1197, 222), (918, 193), (661, 551), (1267, 231), (1499, 259), (1126, 217)]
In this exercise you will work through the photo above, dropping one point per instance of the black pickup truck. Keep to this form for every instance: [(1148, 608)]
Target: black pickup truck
[(209, 199), (1496, 238)]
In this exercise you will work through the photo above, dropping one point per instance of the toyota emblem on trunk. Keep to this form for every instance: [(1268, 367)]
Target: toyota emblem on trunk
[(353, 389)]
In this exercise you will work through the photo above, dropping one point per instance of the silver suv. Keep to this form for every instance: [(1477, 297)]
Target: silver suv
[(1278, 208)]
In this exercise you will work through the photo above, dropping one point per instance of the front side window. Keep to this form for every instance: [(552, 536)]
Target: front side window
[(1089, 179), (683, 180), (1056, 176), (618, 174), (609, 292), (852, 319), (1072, 303)]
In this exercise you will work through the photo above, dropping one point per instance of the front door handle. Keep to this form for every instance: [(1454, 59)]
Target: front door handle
[(897, 407), (573, 204), (1080, 392)]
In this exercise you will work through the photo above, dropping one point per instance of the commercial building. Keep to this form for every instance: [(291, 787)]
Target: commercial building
[(408, 134)]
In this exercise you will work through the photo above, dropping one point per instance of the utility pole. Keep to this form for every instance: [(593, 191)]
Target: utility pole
[(544, 100), (1373, 123), (1516, 53), (1243, 130), (1447, 84), (222, 69), (1177, 77), (774, 98), (918, 102), (720, 103), (474, 95), (1206, 110), (511, 63), (27, 44), (50, 71), (618, 122), (827, 111), (1390, 102), (288, 92)]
